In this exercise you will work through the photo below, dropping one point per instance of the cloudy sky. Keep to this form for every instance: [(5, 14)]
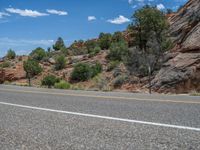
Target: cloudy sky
[(26, 24)]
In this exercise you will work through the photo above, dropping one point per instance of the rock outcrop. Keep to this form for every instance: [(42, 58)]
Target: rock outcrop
[(181, 73), (12, 74)]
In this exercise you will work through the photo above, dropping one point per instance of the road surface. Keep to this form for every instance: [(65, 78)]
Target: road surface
[(32, 118)]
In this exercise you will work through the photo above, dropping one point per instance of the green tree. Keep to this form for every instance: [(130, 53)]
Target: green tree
[(152, 36), (38, 54), (11, 54), (59, 44), (50, 80), (60, 62), (105, 40), (32, 68)]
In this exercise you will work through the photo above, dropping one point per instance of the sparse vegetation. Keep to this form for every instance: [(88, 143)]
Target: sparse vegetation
[(83, 71), (93, 52), (59, 44), (105, 40), (151, 37), (137, 52), (194, 93), (5, 64), (118, 51), (62, 85), (60, 62), (38, 54), (112, 65), (117, 37), (32, 69), (96, 69), (50, 80), (11, 54), (90, 45)]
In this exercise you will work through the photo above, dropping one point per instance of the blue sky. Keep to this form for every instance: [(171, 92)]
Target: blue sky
[(27, 24)]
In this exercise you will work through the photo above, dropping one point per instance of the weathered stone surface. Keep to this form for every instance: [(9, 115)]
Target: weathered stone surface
[(51, 61), (12, 74), (181, 73)]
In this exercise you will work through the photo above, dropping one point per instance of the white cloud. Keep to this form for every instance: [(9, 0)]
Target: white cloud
[(91, 18), (3, 14), (26, 12), (57, 12), (160, 6), (119, 20)]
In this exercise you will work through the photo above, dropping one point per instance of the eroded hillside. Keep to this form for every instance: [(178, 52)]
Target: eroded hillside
[(180, 72)]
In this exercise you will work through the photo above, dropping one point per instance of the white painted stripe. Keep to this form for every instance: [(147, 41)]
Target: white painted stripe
[(103, 117)]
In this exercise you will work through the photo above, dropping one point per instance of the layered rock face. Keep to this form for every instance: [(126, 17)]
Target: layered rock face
[(12, 74), (181, 73)]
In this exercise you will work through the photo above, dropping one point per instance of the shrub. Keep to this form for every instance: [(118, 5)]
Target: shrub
[(93, 52), (78, 48), (81, 72), (62, 85), (6, 82), (105, 40), (64, 51), (49, 80), (96, 69), (118, 51), (90, 44), (101, 83), (117, 37), (11, 54), (60, 62), (112, 65), (195, 94), (78, 51), (5, 64), (38, 54)]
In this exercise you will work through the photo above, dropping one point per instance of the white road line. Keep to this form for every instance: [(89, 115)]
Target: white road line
[(104, 117)]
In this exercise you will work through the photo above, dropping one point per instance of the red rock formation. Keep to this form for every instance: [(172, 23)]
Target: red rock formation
[(12, 74)]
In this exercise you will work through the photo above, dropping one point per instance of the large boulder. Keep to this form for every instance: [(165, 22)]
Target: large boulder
[(12, 74), (181, 73)]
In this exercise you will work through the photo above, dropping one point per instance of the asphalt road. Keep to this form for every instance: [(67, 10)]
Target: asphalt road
[(32, 119)]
